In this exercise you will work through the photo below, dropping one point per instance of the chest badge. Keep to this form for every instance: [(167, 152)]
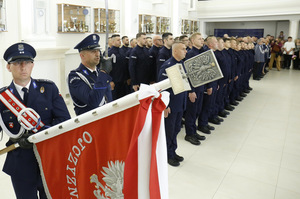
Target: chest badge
[(11, 125), (42, 89)]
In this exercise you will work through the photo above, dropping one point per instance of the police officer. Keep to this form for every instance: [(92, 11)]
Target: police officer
[(125, 42), (43, 97), (165, 52), (119, 71), (194, 97), (139, 63), (176, 107), (153, 53), (89, 86)]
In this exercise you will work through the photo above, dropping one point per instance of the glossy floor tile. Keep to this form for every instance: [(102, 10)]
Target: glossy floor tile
[(253, 154)]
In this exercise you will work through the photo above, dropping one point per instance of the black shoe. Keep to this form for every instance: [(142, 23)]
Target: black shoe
[(250, 89), (243, 95), (210, 127), (199, 137), (226, 112), (178, 158), (234, 103), (219, 119), (193, 140), (204, 129), (229, 108), (239, 98), (173, 162), (222, 114), (214, 121), (246, 91)]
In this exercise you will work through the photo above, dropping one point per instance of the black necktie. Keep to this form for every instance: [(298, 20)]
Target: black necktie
[(25, 90)]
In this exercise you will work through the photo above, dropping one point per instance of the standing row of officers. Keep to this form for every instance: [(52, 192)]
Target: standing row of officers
[(142, 64), (95, 83)]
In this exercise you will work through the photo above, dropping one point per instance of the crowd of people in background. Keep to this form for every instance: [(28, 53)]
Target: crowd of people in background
[(143, 60)]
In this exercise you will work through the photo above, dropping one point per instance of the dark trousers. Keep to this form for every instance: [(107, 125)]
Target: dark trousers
[(287, 61), (28, 189), (172, 127), (119, 91), (192, 112)]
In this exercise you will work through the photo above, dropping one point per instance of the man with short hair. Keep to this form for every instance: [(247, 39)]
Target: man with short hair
[(148, 42), (119, 71), (166, 51), (125, 42), (288, 52), (176, 107), (153, 53), (44, 98), (139, 63), (185, 39), (88, 85)]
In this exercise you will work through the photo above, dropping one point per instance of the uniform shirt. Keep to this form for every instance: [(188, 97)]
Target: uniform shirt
[(125, 49), (139, 66), (222, 61), (163, 55), (153, 53), (233, 62), (89, 95), (119, 71), (44, 98), (177, 102)]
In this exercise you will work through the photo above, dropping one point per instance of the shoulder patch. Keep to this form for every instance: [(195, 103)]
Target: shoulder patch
[(44, 81), (3, 89)]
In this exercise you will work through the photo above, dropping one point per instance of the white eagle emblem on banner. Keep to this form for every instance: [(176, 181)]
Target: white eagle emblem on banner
[(113, 177)]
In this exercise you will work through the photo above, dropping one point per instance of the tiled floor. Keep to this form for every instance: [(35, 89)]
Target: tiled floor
[(253, 154)]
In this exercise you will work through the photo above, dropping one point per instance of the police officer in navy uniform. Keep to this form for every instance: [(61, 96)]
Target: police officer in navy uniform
[(176, 107), (43, 97), (89, 86), (119, 72), (194, 97), (165, 52), (140, 63)]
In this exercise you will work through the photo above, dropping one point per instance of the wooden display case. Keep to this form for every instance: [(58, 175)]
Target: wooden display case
[(163, 25), (194, 27), (3, 26), (185, 26), (100, 20), (73, 18), (147, 24)]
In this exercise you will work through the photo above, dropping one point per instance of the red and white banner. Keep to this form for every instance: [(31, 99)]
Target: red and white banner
[(120, 156)]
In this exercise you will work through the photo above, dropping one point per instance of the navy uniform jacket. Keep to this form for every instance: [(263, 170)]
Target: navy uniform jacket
[(139, 66), (177, 102), (45, 99), (233, 62), (192, 53), (153, 53), (163, 55), (222, 60), (86, 98), (125, 49), (119, 71)]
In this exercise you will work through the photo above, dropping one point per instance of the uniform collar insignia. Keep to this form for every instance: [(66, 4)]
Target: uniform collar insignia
[(85, 71), (34, 84)]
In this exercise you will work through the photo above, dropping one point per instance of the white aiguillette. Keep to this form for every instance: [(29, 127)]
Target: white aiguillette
[(178, 79)]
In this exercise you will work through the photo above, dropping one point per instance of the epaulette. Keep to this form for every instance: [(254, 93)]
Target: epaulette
[(3, 89), (44, 81)]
